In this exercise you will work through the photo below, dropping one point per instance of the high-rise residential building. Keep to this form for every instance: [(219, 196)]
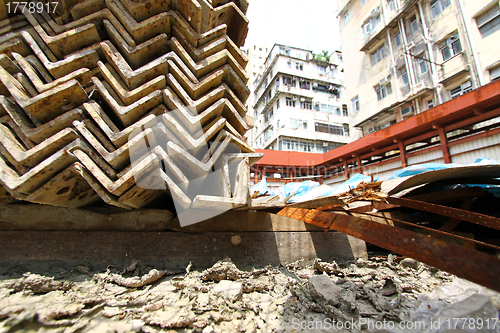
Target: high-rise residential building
[(256, 57), (300, 102), (404, 57)]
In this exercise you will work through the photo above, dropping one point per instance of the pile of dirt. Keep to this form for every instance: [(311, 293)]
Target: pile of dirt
[(226, 299)]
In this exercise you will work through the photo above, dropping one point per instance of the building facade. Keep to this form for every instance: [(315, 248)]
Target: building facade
[(256, 57), (300, 102), (404, 57)]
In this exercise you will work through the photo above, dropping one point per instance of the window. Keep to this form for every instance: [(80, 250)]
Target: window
[(370, 24), (344, 110), (414, 24), (298, 123), (450, 47), (330, 89), (397, 39), (461, 89), (306, 105), (322, 69), (303, 84), (404, 76), (383, 91), (422, 64), (355, 104), (378, 54), (489, 22), (331, 129), (346, 17), (437, 6), (268, 116), (391, 5), (277, 82), (290, 102), (260, 49), (495, 73), (299, 66), (277, 104), (430, 104), (408, 111), (289, 81)]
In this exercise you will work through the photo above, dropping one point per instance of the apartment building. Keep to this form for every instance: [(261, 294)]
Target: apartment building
[(300, 102), (404, 57), (256, 57)]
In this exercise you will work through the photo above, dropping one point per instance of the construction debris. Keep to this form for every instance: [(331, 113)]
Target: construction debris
[(379, 291)]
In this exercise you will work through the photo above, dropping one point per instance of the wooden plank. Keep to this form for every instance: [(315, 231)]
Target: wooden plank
[(37, 251)]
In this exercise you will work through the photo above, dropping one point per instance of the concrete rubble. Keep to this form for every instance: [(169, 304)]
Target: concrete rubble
[(301, 296)]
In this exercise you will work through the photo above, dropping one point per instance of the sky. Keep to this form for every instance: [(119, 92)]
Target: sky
[(307, 24)]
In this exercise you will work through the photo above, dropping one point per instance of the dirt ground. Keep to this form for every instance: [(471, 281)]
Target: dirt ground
[(383, 293)]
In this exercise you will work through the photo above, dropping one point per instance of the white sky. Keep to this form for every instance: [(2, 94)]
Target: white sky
[(307, 24)]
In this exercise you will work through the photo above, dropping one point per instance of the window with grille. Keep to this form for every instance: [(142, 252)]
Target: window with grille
[(290, 102), (450, 47), (461, 89)]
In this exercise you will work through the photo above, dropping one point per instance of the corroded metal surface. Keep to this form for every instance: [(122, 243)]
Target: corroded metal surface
[(470, 264), (121, 102)]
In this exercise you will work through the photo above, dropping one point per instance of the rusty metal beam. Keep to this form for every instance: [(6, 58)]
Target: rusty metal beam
[(481, 219), (456, 194), (475, 266)]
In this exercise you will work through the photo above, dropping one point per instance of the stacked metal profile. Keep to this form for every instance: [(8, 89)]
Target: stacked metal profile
[(124, 101)]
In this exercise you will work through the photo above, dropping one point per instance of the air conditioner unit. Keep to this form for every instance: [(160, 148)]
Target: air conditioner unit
[(308, 56), (371, 129), (315, 84), (325, 144), (294, 78), (316, 103), (294, 98), (289, 61), (410, 45), (331, 87), (287, 48), (407, 111), (302, 99), (375, 12), (385, 80)]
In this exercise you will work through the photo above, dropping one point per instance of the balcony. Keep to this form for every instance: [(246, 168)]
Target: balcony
[(453, 67)]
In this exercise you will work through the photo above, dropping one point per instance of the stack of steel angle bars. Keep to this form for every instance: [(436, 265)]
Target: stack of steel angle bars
[(123, 102)]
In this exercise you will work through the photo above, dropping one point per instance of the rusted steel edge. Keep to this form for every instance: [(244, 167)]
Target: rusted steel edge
[(472, 265), (437, 233), (463, 215)]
